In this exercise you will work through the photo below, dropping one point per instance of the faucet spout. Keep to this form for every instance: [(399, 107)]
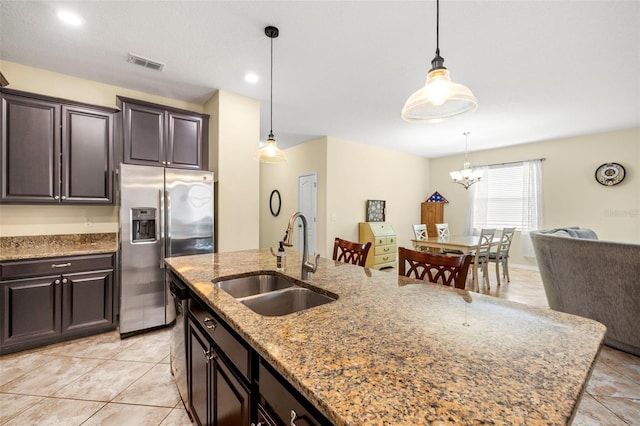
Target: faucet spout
[(307, 267)]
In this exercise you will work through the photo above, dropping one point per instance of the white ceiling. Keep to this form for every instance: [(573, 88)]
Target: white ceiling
[(540, 69)]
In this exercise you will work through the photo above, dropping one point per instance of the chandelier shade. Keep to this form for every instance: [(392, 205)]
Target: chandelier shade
[(270, 153), (440, 98)]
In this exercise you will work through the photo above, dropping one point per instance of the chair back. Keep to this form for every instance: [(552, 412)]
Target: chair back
[(350, 252), (484, 245), (443, 230), (435, 268), (505, 242), (420, 232)]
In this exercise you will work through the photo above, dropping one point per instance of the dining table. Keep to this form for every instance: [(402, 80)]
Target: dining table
[(464, 243)]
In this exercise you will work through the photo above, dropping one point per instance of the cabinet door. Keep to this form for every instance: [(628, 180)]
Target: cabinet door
[(231, 399), (430, 214), (30, 309), (30, 140), (144, 134), (184, 144), (87, 156), (87, 300), (199, 353)]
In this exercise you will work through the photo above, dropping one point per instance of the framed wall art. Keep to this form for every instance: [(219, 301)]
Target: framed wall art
[(375, 211)]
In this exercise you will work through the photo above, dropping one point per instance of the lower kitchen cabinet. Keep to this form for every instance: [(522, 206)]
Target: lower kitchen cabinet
[(43, 305), (218, 397)]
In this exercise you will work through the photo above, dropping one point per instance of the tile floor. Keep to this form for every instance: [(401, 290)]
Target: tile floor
[(102, 380)]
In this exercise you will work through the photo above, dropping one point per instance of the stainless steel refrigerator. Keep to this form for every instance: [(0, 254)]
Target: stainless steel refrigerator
[(163, 212)]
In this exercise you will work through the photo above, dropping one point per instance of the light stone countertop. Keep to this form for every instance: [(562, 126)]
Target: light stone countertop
[(41, 246), (394, 351)]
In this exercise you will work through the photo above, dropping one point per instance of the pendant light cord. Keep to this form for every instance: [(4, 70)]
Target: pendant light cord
[(271, 95), (438, 27), (466, 146)]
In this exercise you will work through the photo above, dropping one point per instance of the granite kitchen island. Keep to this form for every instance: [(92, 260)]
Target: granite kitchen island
[(397, 351)]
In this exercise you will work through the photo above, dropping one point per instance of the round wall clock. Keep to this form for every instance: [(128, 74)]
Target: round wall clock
[(609, 174)]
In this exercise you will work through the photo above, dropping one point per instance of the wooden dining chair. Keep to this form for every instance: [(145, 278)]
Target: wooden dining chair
[(500, 256), (435, 268), (350, 252), (480, 258)]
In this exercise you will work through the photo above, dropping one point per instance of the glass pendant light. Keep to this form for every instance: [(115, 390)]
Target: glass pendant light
[(270, 153), (467, 176), (440, 98)]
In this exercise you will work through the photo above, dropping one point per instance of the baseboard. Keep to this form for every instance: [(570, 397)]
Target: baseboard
[(527, 267)]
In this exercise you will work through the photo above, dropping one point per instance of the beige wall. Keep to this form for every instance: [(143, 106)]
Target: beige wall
[(349, 174), (571, 196), (359, 172), (305, 158), (233, 136)]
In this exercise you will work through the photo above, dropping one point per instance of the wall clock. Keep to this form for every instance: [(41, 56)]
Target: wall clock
[(609, 174)]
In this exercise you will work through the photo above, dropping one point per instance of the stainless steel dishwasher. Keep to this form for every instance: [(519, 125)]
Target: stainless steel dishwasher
[(178, 357)]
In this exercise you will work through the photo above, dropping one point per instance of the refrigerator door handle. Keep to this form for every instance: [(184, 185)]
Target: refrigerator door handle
[(167, 212), (161, 226)]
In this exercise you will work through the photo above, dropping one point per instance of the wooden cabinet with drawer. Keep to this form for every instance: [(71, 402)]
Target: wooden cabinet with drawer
[(50, 300), (384, 249)]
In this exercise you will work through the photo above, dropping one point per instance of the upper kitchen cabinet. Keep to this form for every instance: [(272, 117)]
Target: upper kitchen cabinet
[(54, 151), (157, 135)]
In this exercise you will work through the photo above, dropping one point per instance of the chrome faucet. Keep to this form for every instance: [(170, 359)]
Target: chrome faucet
[(307, 267)]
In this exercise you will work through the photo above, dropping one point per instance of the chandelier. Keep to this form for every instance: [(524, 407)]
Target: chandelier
[(467, 176), (440, 98)]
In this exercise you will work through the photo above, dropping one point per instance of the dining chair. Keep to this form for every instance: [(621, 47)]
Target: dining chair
[(500, 256), (349, 252), (480, 258), (443, 232), (435, 268), (420, 232)]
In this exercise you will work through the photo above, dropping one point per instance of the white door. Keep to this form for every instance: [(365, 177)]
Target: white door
[(307, 205)]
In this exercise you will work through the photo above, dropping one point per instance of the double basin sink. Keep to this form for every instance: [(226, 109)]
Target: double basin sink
[(273, 295)]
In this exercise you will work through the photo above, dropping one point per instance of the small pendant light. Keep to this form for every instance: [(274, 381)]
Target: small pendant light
[(270, 153), (440, 98)]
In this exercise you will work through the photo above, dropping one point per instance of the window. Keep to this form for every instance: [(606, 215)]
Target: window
[(507, 195)]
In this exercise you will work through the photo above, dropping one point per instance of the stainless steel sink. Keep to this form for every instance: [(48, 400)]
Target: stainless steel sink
[(286, 301), (254, 284)]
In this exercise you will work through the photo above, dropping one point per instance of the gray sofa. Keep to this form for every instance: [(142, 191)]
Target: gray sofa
[(594, 279)]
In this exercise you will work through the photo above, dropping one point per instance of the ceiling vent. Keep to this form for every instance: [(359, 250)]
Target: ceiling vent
[(144, 62)]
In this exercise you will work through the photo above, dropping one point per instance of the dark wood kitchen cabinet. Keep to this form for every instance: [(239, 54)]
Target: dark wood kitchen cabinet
[(54, 151), (49, 300), (157, 135), (217, 394)]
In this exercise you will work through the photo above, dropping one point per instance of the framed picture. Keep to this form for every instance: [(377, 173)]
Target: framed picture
[(375, 210)]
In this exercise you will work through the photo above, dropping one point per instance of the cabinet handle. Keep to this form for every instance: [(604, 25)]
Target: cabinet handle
[(64, 197), (64, 281), (386, 249), (56, 197), (61, 265), (211, 326), (293, 418), (258, 424), (209, 355), (56, 282)]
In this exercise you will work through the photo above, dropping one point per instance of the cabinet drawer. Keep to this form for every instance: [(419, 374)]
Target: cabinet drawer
[(283, 402), (391, 239), (387, 249), (385, 258), (55, 265), (231, 346)]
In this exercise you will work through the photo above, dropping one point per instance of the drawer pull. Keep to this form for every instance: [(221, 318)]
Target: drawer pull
[(386, 249), (293, 417), (61, 265), (211, 326), (209, 355)]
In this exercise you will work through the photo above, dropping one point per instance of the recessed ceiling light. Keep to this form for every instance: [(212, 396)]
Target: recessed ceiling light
[(70, 18), (251, 78)]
